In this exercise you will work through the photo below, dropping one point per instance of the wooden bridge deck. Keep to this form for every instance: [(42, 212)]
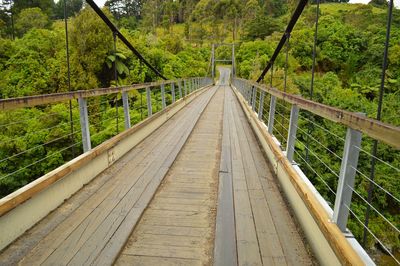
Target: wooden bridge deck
[(197, 191)]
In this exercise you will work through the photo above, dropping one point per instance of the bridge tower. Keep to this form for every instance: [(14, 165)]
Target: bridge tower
[(226, 60)]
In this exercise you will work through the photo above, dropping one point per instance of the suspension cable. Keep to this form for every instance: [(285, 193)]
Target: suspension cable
[(378, 117), (314, 55), (299, 9), (68, 75), (115, 30)]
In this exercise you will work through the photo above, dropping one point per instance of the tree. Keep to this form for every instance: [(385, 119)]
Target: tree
[(125, 8), (73, 7), (6, 19), (91, 42), (46, 6), (260, 27), (378, 3), (31, 18)]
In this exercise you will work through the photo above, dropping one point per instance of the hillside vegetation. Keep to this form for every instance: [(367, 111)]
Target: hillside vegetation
[(176, 37)]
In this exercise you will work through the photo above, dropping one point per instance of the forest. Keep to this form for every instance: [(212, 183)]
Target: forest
[(176, 37)]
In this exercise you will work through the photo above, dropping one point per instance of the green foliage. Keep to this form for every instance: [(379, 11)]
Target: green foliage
[(260, 27), (175, 37), (73, 7), (30, 18)]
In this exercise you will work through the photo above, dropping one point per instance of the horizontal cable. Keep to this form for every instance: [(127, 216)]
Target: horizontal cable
[(100, 103), (30, 119), (326, 130), (37, 146), (41, 130), (369, 204), (288, 109), (281, 115), (102, 121), (319, 159), (372, 234), (276, 121), (333, 153), (277, 131), (376, 184), (312, 169), (38, 161), (380, 160)]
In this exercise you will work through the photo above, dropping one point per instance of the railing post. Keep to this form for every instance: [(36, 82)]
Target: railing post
[(271, 115), (173, 91), (212, 61), (184, 87), (346, 178), (261, 105), (294, 116), (84, 119), (125, 103), (180, 88), (149, 107), (249, 93), (254, 95), (163, 96)]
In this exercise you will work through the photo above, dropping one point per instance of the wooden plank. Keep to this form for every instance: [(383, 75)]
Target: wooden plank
[(164, 251), (170, 232), (171, 240), (179, 207), (76, 219), (269, 242), (116, 228), (384, 132), (225, 252), (246, 237), (180, 201), (27, 242), (150, 260), (293, 247), (57, 237), (342, 248), (18, 197)]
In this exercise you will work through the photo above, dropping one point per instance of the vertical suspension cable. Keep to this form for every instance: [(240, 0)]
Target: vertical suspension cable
[(71, 120), (116, 78), (286, 61), (314, 55), (272, 71), (141, 106), (12, 24), (285, 81), (378, 117)]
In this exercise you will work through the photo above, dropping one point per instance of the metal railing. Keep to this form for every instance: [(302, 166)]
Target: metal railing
[(62, 126), (326, 143)]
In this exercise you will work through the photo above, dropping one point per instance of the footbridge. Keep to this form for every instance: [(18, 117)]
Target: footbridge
[(201, 181), (195, 171)]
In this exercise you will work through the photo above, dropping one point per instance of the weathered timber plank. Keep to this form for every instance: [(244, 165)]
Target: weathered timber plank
[(225, 252), (150, 260), (293, 247), (269, 242), (119, 228), (160, 231), (246, 237)]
